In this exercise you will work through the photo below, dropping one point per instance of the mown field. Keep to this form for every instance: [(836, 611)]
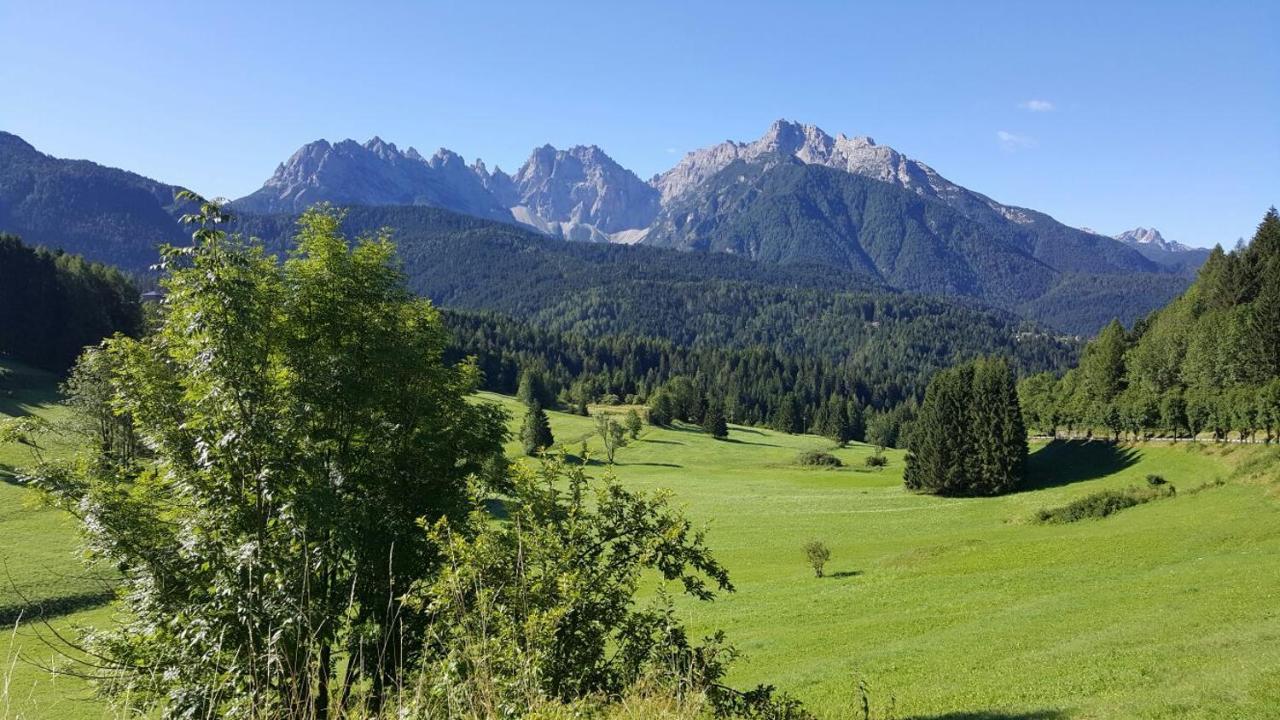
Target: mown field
[(955, 609)]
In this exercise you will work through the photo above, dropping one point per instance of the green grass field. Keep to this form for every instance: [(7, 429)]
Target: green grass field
[(957, 609), (964, 608)]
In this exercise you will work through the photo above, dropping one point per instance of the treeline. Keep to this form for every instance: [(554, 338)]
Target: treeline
[(1208, 362), (53, 304), (871, 391)]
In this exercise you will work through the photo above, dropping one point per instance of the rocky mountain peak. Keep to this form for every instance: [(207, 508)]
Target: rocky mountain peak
[(579, 192), (1150, 237)]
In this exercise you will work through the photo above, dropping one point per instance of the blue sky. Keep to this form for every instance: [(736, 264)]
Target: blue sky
[(1107, 115)]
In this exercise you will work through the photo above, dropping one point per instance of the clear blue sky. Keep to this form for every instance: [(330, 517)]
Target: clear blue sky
[(1108, 115)]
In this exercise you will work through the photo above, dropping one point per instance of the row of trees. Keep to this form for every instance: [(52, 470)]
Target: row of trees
[(53, 304), (1208, 362)]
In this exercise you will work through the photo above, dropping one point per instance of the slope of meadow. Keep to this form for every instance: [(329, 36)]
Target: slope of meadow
[(956, 609), (955, 606)]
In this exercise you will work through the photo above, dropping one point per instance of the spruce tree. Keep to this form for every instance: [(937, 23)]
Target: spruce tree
[(535, 432), (968, 437), (714, 423)]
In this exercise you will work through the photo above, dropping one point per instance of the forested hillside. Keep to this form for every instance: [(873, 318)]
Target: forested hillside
[(104, 214), (787, 211), (53, 304), (1210, 361), (622, 320)]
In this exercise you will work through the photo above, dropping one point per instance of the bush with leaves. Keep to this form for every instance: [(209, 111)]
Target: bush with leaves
[(817, 458), (542, 605), (633, 424), (818, 554)]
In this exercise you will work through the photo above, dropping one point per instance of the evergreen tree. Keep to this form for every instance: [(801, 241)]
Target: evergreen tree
[(832, 420), (534, 390), (535, 432), (713, 423), (941, 444), (968, 437), (999, 435)]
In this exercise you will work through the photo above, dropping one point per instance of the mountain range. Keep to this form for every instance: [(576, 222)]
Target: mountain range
[(795, 196)]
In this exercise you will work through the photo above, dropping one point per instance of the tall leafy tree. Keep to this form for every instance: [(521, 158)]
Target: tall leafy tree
[(300, 422)]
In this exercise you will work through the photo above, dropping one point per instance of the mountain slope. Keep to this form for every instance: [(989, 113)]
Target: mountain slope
[(1059, 246), (781, 210), (721, 303), (105, 214)]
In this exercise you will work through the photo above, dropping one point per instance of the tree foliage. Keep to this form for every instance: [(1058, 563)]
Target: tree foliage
[(1209, 361), (968, 438), (543, 604), (299, 421)]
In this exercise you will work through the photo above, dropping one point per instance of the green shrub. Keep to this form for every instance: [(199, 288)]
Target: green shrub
[(817, 458), (818, 554), (876, 461), (1155, 480), (1103, 503)]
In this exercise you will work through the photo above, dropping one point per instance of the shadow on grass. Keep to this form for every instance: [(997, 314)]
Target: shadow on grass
[(1063, 462), (995, 715), (497, 508), (843, 574), (747, 442), (27, 389), (651, 464), (661, 442), (54, 607)]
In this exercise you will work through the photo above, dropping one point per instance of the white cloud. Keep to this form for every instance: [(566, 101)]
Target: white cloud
[(1037, 105), (1012, 142)]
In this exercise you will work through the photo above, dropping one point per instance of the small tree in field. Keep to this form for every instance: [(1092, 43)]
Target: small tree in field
[(612, 436), (633, 424), (535, 434), (818, 554), (714, 423)]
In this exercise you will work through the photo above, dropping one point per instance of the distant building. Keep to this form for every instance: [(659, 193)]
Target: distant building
[(152, 296)]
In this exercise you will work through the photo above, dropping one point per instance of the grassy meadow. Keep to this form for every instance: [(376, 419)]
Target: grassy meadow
[(966, 608), (955, 609)]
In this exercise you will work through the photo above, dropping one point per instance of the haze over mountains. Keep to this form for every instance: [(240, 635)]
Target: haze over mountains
[(795, 196)]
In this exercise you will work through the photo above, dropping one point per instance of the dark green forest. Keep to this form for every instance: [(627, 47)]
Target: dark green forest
[(53, 304)]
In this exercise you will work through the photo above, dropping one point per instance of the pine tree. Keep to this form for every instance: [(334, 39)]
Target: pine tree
[(535, 432), (533, 389), (713, 423), (969, 437)]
